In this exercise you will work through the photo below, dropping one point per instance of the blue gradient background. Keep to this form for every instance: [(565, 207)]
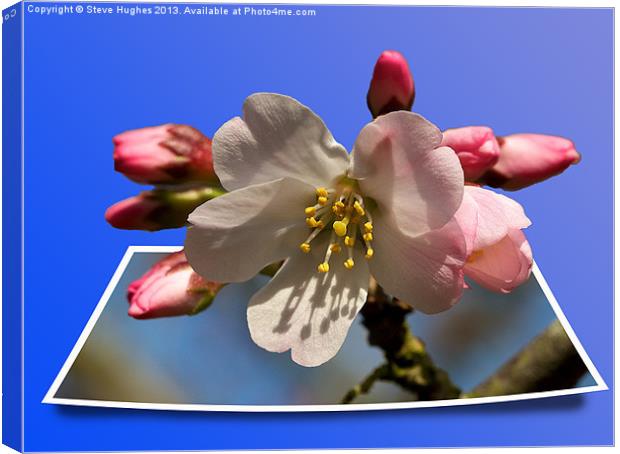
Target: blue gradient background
[(90, 77)]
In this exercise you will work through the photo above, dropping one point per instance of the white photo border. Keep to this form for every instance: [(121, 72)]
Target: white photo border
[(50, 396)]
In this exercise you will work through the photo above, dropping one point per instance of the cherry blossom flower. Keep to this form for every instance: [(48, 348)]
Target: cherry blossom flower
[(385, 210), (499, 256)]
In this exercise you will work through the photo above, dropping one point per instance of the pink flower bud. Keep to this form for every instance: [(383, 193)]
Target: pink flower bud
[(133, 213), (526, 159), (158, 209), (476, 148), (391, 87), (164, 154), (169, 288)]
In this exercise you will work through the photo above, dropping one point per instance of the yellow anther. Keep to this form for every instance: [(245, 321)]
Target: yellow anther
[(368, 227), (348, 241), (340, 227), (321, 192), (359, 209), (368, 236), (338, 208), (320, 224), (323, 267), (369, 253), (311, 222), (335, 248), (349, 263), (305, 247), (310, 211), (322, 200)]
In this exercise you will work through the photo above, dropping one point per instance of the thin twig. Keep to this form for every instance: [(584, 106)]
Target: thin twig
[(364, 387)]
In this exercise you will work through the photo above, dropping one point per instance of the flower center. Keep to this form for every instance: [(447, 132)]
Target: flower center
[(341, 211)]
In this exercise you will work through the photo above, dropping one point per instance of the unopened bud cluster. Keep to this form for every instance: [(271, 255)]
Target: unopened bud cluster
[(512, 162), (177, 159)]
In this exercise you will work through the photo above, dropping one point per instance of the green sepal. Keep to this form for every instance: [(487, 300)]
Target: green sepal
[(203, 304)]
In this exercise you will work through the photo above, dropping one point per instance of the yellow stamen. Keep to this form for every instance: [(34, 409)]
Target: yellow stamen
[(335, 248), (340, 227), (311, 222), (321, 192), (346, 209), (338, 208)]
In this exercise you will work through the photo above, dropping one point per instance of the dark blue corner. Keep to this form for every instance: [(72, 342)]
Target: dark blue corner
[(12, 226)]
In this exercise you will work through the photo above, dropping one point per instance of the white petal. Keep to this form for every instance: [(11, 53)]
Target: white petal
[(306, 311), (235, 235), (277, 137), (425, 271), (399, 165)]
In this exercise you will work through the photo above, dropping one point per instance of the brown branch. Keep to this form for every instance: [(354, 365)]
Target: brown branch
[(364, 387), (408, 363), (549, 362)]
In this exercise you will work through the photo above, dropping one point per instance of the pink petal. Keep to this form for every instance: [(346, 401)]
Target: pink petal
[(467, 218), (426, 271), (497, 214), (399, 165), (503, 266)]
